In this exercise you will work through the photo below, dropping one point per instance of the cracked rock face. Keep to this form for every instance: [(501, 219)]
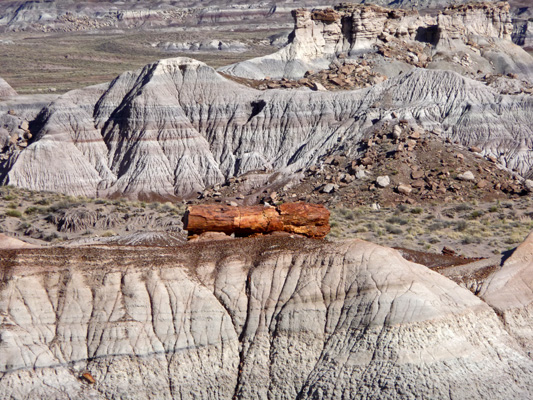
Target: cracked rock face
[(176, 126), (482, 31), (249, 318)]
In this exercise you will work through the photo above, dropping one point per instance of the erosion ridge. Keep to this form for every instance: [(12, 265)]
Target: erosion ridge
[(261, 317), (176, 126)]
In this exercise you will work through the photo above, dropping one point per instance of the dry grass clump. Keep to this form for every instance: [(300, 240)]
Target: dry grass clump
[(42, 217), (472, 229)]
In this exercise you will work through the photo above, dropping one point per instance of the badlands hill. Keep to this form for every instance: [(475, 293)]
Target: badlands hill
[(259, 318), (176, 126)]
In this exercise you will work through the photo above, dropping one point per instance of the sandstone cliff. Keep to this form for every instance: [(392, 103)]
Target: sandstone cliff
[(177, 126), (250, 318), (470, 39)]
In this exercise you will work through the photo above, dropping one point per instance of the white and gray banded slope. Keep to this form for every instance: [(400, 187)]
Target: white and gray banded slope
[(177, 126), (258, 319)]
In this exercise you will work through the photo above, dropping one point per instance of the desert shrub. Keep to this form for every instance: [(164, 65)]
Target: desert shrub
[(439, 224), (51, 237), (61, 205), (13, 213), (417, 210), (9, 197), (33, 210), (397, 220), (108, 234), (475, 214), (402, 208), (493, 209), (393, 229), (434, 240), (43, 202), (463, 207), (359, 229), (461, 226), (471, 240), (154, 206)]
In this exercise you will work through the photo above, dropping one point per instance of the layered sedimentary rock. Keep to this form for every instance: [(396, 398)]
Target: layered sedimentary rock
[(248, 318), (311, 220), (177, 126), (510, 292), (481, 33)]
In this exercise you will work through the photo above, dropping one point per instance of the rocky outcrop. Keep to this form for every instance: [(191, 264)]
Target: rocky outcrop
[(311, 220), (248, 318), (205, 45), (482, 19), (177, 126), (481, 32), (523, 33)]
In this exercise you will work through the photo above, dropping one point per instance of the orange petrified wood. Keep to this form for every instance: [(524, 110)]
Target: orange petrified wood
[(311, 220)]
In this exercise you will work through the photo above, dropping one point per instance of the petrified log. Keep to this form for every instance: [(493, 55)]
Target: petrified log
[(311, 220)]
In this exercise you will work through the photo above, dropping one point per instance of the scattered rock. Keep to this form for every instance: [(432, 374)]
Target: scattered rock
[(328, 188), (383, 181), (467, 176), (404, 189), (87, 377)]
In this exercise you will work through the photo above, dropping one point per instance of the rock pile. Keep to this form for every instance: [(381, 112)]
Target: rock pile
[(341, 75)]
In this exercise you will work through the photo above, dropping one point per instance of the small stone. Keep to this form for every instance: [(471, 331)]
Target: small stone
[(482, 184), (418, 183), (417, 174), (360, 174), (375, 207), (411, 144), (396, 132), (467, 176), (529, 185), (328, 188), (383, 181), (460, 156), (86, 376), (367, 161), (233, 204), (475, 149), (415, 135), (404, 189)]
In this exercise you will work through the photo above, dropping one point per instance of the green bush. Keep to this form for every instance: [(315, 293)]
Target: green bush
[(13, 213)]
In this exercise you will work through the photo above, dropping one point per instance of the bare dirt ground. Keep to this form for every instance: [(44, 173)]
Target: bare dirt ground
[(59, 62)]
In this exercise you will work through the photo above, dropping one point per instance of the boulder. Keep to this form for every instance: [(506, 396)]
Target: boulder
[(467, 176), (311, 220), (404, 189), (383, 181)]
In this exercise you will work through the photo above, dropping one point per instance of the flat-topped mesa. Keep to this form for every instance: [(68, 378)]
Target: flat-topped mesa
[(311, 220), (480, 19)]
